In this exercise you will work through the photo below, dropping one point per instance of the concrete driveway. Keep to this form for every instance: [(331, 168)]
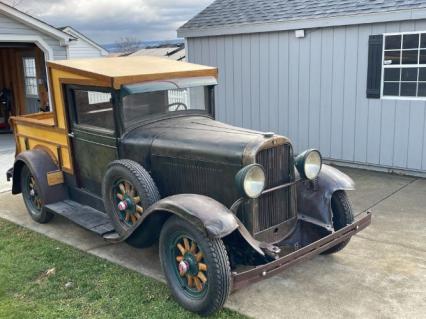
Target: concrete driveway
[(7, 153), (381, 274)]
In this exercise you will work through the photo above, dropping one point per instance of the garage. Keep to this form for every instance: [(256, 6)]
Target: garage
[(26, 43), (347, 78), (23, 81)]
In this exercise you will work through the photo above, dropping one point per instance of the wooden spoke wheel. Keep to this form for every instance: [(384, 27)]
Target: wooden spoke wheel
[(128, 191), (33, 198), (196, 266), (127, 201), (189, 260)]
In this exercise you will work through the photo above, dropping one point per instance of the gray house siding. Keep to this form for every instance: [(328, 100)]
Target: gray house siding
[(13, 27), (313, 90)]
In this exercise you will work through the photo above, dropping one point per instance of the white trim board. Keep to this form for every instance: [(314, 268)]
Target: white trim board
[(35, 23)]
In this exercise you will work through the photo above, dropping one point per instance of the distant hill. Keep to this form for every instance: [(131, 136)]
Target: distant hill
[(112, 47)]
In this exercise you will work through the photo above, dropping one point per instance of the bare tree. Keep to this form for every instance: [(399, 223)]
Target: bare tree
[(127, 45)]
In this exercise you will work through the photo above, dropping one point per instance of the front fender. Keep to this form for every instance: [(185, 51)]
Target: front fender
[(201, 211), (314, 197)]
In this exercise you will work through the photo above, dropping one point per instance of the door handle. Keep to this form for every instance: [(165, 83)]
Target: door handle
[(71, 135)]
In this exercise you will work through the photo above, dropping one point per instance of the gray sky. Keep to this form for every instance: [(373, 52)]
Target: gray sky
[(106, 21)]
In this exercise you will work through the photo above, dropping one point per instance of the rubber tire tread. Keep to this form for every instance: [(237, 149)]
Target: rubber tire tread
[(219, 292), (342, 216)]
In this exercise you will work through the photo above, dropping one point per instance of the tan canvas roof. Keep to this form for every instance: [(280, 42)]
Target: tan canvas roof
[(133, 69)]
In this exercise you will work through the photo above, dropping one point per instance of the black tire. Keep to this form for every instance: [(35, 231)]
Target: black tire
[(342, 216), (144, 186), (33, 199), (218, 285)]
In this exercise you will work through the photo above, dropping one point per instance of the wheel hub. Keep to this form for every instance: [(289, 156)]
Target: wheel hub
[(183, 267), (125, 204), (128, 202)]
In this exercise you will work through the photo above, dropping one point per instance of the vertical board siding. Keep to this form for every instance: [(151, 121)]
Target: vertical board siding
[(313, 90)]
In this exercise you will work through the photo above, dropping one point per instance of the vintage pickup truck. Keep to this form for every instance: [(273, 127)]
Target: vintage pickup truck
[(132, 152)]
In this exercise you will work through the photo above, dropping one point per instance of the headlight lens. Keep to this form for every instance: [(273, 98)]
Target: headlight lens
[(251, 180), (309, 164)]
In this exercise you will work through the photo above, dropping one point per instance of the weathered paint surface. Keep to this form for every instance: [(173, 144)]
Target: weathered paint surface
[(312, 89)]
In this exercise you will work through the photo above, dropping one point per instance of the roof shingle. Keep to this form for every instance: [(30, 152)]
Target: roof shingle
[(239, 12)]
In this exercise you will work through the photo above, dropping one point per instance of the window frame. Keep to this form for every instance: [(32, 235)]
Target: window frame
[(401, 66), (72, 113), (33, 77), (209, 112)]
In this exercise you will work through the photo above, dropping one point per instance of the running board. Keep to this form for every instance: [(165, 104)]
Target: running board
[(84, 216)]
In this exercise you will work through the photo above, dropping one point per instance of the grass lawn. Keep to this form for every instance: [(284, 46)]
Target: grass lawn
[(35, 270)]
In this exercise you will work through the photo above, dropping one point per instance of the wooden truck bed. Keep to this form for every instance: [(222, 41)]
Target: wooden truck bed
[(39, 130)]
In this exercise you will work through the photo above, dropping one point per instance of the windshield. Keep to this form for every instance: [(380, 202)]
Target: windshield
[(139, 106)]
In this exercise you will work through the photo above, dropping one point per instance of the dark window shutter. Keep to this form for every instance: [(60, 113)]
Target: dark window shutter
[(374, 74)]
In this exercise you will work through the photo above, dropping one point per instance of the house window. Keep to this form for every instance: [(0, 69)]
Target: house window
[(404, 66), (30, 76)]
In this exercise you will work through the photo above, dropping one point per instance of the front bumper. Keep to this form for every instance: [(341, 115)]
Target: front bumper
[(258, 273)]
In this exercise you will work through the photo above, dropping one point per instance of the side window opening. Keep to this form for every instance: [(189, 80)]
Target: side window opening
[(94, 108)]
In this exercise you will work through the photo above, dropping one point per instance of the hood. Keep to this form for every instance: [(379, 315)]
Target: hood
[(197, 138)]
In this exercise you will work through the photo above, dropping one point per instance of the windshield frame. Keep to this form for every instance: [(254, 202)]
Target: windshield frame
[(162, 85)]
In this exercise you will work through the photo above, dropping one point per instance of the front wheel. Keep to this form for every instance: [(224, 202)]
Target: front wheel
[(342, 216), (196, 267)]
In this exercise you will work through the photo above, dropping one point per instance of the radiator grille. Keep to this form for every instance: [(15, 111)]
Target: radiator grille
[(275, 207)]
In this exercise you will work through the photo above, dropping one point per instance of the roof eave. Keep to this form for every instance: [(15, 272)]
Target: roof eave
[(90, 41), (306, 23), (35, 23)]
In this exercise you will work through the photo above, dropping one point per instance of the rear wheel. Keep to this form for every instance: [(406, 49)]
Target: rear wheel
[(342, 216), (33, 198), (196, 267)]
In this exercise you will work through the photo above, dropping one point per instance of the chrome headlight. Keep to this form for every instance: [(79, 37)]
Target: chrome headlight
[(309, 164), (250, 180)]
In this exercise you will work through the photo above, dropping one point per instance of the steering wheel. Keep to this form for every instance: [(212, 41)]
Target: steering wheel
[(178, 105)]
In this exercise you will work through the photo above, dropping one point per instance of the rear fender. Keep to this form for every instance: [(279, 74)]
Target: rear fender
[(206, 214), (314, 197), (40, 164)]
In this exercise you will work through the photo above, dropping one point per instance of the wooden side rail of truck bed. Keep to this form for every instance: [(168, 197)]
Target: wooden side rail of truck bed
[(39, 130)]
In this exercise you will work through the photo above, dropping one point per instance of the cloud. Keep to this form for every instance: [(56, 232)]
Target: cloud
[(105, 21)]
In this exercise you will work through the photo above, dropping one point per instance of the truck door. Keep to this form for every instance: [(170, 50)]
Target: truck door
[(93, 134)]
